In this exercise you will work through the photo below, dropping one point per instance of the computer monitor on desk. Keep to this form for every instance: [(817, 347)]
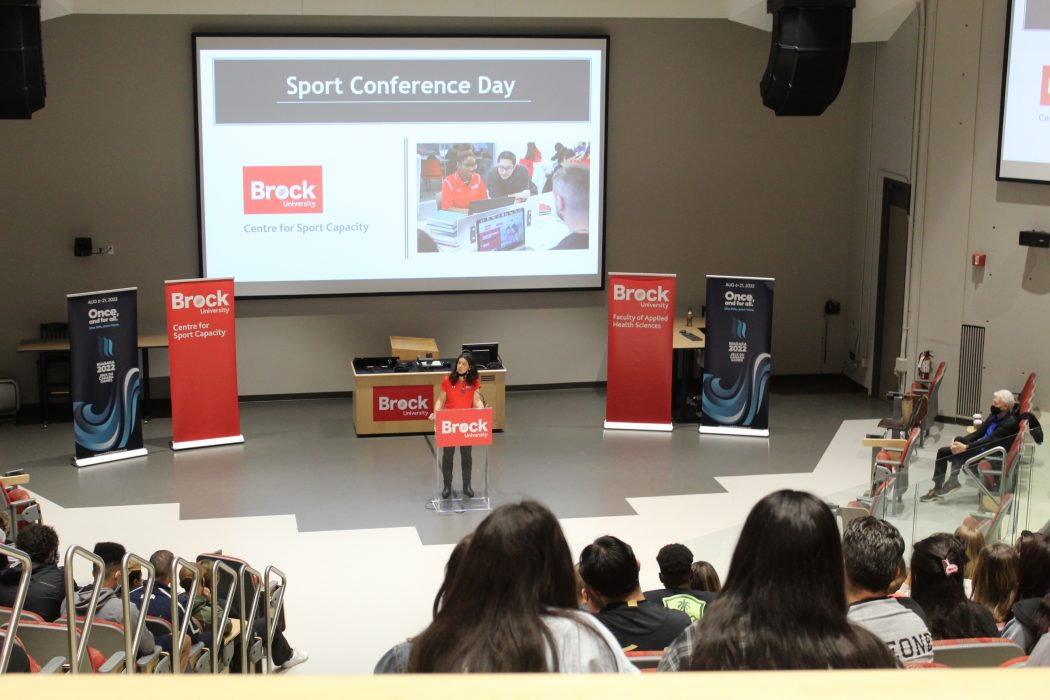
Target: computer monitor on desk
[(484, 354)]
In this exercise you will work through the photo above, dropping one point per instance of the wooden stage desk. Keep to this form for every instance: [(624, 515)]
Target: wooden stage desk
[(386, 403)]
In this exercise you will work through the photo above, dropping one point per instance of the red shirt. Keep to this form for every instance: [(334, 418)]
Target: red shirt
[(461, 395), (456, 194)]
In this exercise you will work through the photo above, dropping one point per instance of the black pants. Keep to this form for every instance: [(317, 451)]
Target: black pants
[(446, 464), (944, 455)]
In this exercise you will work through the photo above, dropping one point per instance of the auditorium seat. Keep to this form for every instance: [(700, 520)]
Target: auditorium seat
[(932, 389), (50, 640), (109, 638), (991, 526), (975, 652)]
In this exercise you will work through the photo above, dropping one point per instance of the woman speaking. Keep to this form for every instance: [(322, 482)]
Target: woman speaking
[(460, 389)]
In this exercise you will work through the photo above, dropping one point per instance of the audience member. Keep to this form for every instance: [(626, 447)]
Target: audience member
[(937, 565), (47, 583), (109, 606), (997, 430), (973, 540), (511, 607), (703, 577), (464, 186), (1032, 610), (395, 660), (610, 572), (995, 580), (873, 552), (783, 605), (1040, 655), (675, 561), (159, 604)]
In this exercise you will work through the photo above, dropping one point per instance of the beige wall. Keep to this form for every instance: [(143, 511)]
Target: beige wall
[(965, 210), (701, 179)]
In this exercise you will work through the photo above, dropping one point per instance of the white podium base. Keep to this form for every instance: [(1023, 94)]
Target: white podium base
[(210, 442), (726, 430), (657, 427)]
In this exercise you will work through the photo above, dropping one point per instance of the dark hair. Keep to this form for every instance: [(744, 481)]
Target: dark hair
[(463, 155), (1033, 574), (783, 605), (451, 567), (40, 542), (530, 150), (516, 570), (995, 579), (937, 565), (609, 567), (472, 369), (111, 553), (507, 155), (674, 561), (872, 551), (703, 577)]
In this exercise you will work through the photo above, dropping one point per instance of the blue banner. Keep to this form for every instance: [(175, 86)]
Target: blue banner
[(737, 356), (103, 344)]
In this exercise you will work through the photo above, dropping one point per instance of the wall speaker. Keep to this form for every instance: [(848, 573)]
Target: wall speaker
[(22, 90), (1035, 239), (82, 246), (808, 56)]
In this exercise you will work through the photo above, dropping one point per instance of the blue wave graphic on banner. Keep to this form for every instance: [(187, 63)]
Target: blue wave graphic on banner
[(110, 427), (739, 403), (739, 329), (105, 346)]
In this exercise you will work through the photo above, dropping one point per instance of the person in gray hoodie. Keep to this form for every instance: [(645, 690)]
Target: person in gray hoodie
[(109, 606)]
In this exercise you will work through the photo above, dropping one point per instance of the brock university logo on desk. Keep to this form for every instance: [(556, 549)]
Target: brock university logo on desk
[(402, 402), (456, 427)]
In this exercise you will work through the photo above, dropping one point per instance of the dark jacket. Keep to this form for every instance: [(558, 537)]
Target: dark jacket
[(46, 589), (1002, 436), (1022, 629)]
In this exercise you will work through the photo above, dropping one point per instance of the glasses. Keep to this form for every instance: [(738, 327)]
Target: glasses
[(505, 168)]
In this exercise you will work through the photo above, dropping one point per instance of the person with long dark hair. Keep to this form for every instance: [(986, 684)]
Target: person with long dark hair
[(511, 606), (1032, 609), (783, 604), (937, 566), (460, 389)]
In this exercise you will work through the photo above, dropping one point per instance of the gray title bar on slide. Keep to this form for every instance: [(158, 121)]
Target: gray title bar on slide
[(1037, 14), (258, 91)]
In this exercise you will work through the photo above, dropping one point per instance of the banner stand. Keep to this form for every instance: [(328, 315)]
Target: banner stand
[(210, 442), (738, 356), (109, 457), (641, 352), (457, 429)]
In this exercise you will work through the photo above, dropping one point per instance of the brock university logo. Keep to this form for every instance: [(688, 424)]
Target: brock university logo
[(283, 189)]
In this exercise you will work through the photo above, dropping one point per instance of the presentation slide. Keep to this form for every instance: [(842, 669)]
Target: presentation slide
[(1024, 130), (372, 165)]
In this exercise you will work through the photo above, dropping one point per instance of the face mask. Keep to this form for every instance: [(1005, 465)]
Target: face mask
[(995, 410)]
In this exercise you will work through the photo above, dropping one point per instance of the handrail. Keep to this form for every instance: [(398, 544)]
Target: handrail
[(76, 653), (273, 611), (180, 631), (217, 629), (132, 639), (20, 599), (248, 623)]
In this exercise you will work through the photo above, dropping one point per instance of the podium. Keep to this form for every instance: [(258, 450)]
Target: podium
[(462, 436)]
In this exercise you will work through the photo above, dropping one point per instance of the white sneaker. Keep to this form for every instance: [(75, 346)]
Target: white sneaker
[(298, 656)]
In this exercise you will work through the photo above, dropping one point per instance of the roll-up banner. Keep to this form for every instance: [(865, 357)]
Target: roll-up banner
[(737, 356), (641, 328), (202, 353), (103, 350)]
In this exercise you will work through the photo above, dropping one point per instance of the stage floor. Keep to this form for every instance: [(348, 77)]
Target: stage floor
[(345, 517)]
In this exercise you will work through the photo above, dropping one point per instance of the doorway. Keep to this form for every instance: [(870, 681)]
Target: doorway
[(891, 285)]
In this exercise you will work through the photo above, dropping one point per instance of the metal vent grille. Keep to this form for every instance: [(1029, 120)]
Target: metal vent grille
[(971, 366)]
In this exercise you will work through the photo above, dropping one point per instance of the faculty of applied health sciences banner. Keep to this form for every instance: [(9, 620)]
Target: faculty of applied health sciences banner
[(202, 353), (641, 327), (103, 350), (737, 359)]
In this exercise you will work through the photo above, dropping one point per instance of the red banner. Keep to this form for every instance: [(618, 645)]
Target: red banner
[(202, 354), (454, 427), (402, 402), (641, 328)]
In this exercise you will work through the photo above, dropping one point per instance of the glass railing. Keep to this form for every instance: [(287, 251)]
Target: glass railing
[(999, 492)]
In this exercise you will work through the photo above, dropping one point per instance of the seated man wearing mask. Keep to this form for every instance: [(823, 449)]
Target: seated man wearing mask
[(997, 430)]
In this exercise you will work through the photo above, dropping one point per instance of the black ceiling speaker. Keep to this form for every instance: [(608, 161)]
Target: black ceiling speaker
[(21, 59), (809, 55)]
